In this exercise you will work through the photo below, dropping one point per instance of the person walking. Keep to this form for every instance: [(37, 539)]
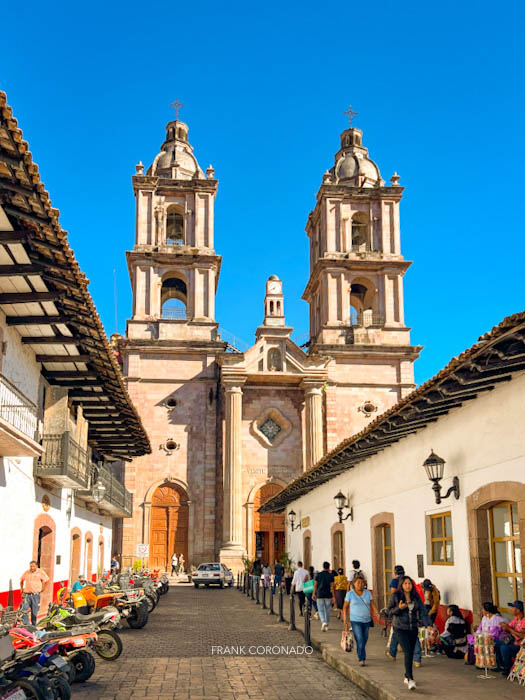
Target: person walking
[(341, 587), (174, 563), (181, 563), (356, 564), (32, 583), (309, 596), (408, 614), (359, 608), (256, 575), (288, 578), (391, 651), (267, 575), (299, 577), (324, 594), (432, 598), (278, 572)]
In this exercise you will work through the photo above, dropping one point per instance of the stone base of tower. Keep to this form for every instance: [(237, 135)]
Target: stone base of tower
[(231, 555)]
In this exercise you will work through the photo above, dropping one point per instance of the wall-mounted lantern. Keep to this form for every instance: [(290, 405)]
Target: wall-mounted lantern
[(341, 502), (434, 467), (291, 520)]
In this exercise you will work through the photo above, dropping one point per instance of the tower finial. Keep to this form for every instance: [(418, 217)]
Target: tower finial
[(176, 106), (350, 114)]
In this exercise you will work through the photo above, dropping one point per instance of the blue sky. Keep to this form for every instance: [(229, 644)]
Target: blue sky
[(438, 88)]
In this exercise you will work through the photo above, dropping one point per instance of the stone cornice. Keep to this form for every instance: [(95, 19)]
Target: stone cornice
[(377, 351), (348, 262), (165, 186)]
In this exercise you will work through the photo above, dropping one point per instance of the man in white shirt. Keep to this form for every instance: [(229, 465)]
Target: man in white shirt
[(299, 577), (174, 564)]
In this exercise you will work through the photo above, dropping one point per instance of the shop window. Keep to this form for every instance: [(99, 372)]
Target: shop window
[(441, 545)]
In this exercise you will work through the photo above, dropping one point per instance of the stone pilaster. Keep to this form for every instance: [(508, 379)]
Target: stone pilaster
[(313, 394), (232, 549)]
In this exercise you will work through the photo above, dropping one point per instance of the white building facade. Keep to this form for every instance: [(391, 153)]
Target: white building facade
[(66, 420), (471, 415)]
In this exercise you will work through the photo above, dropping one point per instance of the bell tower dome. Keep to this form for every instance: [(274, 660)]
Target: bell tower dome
[(173, 266)]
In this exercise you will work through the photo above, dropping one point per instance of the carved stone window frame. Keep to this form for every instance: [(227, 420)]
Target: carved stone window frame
[(281, 420)]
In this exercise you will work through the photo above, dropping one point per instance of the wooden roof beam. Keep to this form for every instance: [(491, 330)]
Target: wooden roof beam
[(28, 297), (63, 358), (51, 340)]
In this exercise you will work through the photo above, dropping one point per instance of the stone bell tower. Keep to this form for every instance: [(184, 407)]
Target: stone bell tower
[(173, 267), (355, 290), (170, 356)]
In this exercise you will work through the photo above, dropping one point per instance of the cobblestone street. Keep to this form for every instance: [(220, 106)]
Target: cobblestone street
[(172, 656)]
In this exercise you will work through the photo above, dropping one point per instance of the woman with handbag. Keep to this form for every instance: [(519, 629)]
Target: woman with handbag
[(408, 615), (359, 608)]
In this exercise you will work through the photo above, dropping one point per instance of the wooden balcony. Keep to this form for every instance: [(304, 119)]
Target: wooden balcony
[(64, 462), (117, 500)]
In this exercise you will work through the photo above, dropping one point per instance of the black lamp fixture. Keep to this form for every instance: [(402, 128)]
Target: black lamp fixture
[(291, 520), (434, 467), (341, 502)]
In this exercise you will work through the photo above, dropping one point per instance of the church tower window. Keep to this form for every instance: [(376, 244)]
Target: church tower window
[(360, 234), (173, 298), (174, 227)]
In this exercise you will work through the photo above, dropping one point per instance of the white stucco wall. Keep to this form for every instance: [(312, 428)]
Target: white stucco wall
[(21, 498), (482, 442)]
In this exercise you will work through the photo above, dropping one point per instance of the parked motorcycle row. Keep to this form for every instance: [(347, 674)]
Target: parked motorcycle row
[(42, 662)]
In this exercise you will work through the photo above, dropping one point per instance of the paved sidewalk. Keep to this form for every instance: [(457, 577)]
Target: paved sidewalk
[(176, 656), (383, 679)]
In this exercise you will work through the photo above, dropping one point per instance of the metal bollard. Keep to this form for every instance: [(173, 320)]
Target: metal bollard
[(307, 615), (257, 590), (291, 626), (271, 601), (264, 598), (251, 588), (281, 604)]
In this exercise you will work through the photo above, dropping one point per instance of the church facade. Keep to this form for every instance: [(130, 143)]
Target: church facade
[(230, 429)]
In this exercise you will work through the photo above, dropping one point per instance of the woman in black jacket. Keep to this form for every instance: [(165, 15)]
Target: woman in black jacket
[(408, 614)]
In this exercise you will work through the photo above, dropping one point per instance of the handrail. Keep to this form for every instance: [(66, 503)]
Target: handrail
[(63, 455), (17, 409)]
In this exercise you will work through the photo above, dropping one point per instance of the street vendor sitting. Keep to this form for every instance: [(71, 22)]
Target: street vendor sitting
[(507, 648)]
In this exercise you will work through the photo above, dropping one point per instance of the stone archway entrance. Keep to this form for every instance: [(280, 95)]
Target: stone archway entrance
[(268, 527), (169, 525)]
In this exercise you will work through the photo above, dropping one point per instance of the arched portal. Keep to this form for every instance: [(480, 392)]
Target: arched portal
[(76, 544), (268, 527), (169, 525), (88, 549)]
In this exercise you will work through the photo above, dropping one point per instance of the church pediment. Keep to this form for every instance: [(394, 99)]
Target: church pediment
[(272, 358)]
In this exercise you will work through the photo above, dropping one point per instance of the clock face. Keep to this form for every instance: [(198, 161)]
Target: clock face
[(273, 287)]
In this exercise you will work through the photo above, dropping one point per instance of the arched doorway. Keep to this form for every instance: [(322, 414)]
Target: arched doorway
[(307, 549), (44, 554), (338, 546), (383, 555), (76, 544), (268, 527), (89, 555), (169, 525)]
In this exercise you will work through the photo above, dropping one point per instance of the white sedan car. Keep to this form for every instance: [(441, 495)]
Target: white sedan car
[(214, 573)]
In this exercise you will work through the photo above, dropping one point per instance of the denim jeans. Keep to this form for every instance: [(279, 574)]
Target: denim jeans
[(277, 582), (393, 647), (30, 601), (255, 580), (323, 606), (311, 601), (505, 654), (360, 630)]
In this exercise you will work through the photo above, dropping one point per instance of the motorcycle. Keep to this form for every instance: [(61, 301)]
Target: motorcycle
[(108, 644)]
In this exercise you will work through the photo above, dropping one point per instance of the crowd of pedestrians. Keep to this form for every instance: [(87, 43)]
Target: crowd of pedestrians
[(411, 612)]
